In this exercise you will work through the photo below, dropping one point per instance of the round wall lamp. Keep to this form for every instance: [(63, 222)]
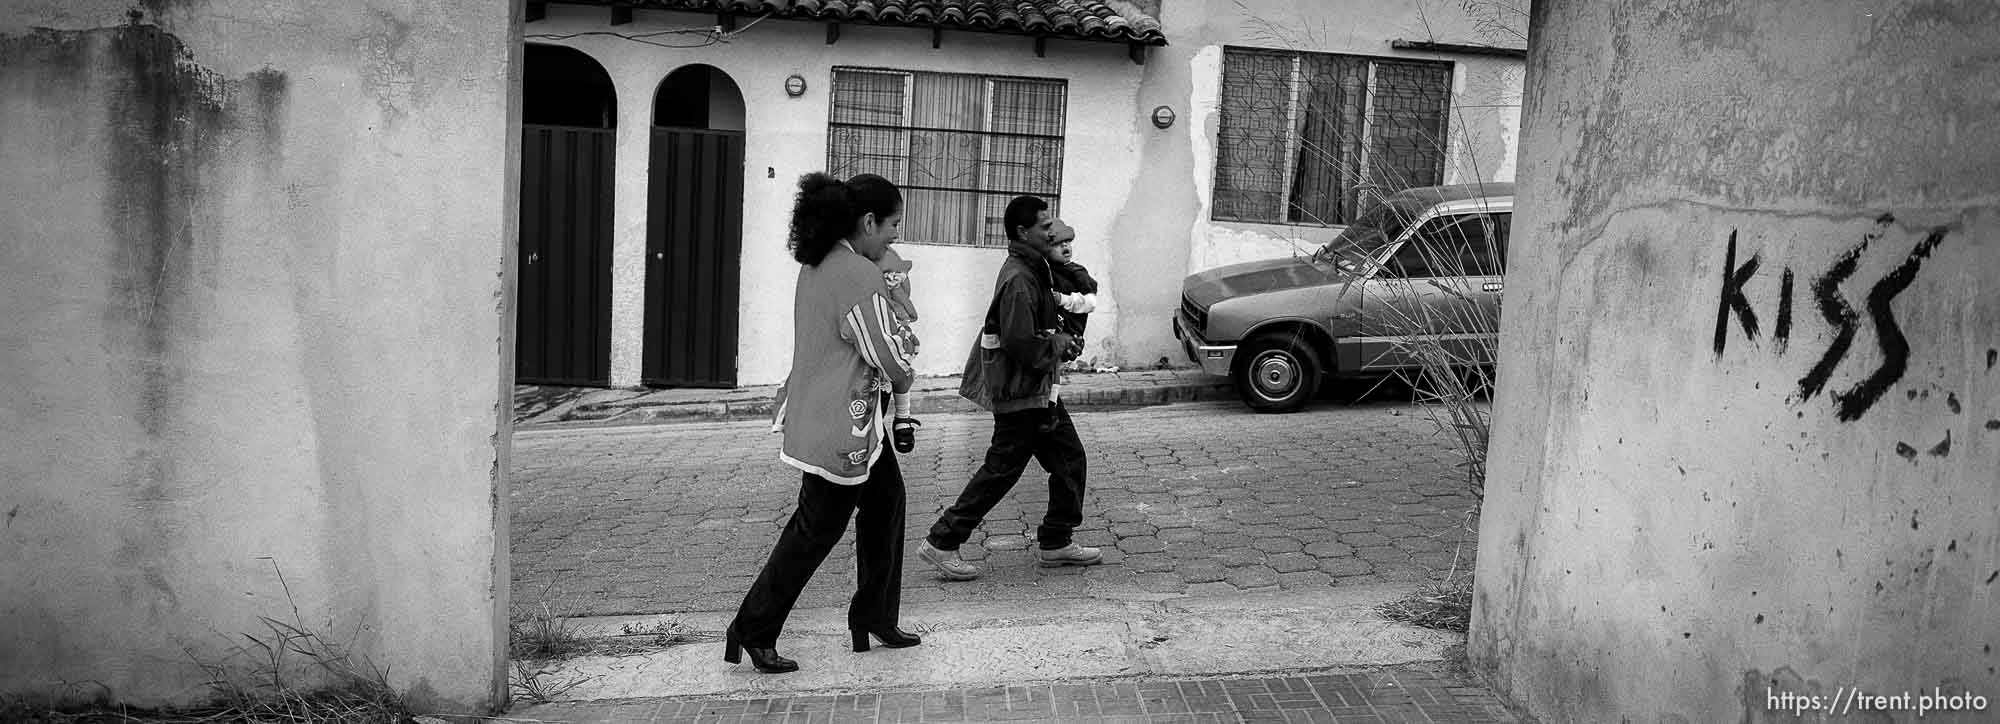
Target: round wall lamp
[(795, 85), (1163, 117)]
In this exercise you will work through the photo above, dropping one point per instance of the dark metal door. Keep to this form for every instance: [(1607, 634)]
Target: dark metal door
[(563, 311), (694, 241)]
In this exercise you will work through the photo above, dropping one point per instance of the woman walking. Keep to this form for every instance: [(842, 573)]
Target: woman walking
[(847, 354)]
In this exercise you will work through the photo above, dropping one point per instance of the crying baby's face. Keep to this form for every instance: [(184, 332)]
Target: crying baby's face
[(894, 279)]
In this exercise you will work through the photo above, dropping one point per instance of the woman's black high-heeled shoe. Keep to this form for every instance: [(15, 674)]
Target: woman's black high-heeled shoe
[(891, 637), (766, 660)]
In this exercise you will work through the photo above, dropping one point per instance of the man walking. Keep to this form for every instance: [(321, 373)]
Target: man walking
[(1013, 368)]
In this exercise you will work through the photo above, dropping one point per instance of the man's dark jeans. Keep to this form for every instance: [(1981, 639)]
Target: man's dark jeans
[(1048, 436)]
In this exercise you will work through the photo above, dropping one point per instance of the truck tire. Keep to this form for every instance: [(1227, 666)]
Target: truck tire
[(1277, 373)]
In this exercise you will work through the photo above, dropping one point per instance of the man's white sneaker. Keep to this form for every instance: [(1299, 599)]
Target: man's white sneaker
[(1070, 555), (947, 562)]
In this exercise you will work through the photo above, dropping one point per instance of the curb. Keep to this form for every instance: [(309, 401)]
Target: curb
[(934, 401)]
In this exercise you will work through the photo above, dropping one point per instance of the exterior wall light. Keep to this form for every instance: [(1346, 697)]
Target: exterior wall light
[(795, 85), (1163, 117)]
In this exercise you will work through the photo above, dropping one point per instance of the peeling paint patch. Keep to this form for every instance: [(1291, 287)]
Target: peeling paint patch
[(392, 67), (1908, 453), (1951, 401), (1943, 448)]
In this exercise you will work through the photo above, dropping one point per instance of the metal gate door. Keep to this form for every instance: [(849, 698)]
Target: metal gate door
[(563, 313), (694, 241)]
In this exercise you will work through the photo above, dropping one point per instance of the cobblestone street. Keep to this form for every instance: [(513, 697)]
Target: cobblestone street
[(1198, 499)]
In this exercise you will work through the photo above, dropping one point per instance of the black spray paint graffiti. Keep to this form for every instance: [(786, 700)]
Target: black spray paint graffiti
[(1839, 313), (1733, 278)]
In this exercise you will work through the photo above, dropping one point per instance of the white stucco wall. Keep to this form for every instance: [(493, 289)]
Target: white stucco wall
[(254, 255), (1168, 224), (1137, 195), (1688, 514), (786, 138)]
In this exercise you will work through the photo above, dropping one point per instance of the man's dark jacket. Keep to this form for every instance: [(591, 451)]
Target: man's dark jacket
[(1020, 349)]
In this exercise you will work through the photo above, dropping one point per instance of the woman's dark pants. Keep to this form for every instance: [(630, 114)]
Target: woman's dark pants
[(816, 526)]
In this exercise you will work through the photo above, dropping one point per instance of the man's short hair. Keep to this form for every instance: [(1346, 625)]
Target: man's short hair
[(1022, 211)]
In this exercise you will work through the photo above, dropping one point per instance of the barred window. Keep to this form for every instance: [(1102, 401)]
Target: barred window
[(1303, 133), (960, 146)]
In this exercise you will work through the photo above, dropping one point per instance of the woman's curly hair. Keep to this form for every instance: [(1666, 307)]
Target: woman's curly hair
[(827, 208), (821, 216)]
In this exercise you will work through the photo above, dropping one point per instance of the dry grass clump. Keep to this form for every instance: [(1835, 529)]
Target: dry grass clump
[(544, 635), (636, 638), (287, 674), (1445, 606), (540, 635), (541, 638)]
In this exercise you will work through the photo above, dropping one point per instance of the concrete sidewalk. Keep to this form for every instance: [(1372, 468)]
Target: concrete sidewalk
[(548, 406), (1315, 655), (1421, 694)]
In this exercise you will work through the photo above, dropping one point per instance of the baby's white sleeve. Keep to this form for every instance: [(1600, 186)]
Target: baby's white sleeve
[(1075, 303)]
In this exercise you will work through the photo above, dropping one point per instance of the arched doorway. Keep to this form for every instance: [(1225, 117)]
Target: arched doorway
[(694, 230), (563, 309)]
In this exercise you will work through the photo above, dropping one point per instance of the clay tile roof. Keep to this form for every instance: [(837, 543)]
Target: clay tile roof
[(1113, 20)]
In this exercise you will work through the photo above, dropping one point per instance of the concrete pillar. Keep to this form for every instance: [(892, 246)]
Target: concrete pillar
[(1748, 428), (257, 262)]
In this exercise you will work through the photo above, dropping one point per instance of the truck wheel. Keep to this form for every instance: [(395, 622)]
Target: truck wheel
[(1277, 373)]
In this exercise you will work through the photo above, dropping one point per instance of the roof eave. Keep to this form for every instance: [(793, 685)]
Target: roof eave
[(1121, 34)]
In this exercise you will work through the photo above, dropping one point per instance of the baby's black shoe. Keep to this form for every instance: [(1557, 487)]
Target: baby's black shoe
[(905, 431)]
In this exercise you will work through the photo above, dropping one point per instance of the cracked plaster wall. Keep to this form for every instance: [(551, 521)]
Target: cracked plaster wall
[(1748, 429), (255, 256)]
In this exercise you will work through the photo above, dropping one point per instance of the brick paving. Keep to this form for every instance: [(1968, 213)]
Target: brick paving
[(1193, 498), (1389, 696)]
